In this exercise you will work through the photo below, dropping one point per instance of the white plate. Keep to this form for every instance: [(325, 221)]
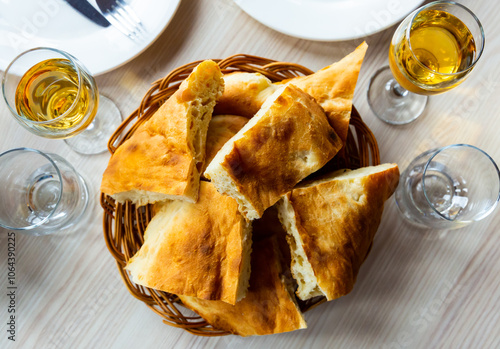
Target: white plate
[(54, 23), (328, 20)]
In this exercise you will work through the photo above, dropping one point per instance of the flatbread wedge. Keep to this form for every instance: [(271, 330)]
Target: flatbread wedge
[(269, 306), (331, 223), (163, 157), (245, 94), (201, 249), (221, 129), (288, 139), (332, 87)]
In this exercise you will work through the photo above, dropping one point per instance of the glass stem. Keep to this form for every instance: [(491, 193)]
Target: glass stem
[(398, 90)]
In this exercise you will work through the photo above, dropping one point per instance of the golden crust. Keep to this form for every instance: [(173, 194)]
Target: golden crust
[(163, 153), (221, 129), (269, 306), (244, 94), (269, 226), (333, 88), (151, 163), (200, 250), (337, 219), (287, 140)]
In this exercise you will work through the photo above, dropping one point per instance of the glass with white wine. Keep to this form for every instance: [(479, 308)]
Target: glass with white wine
[(51, 94), (432, 51)]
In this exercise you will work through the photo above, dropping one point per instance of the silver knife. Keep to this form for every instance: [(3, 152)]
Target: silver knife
[(89, 11)]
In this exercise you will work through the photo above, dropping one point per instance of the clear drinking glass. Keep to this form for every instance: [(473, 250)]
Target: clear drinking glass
[(40, 193), (449, 187), (50, 93), (432, 51)]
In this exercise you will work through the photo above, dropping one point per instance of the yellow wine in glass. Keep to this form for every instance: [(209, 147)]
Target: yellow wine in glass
[(432, 51), (50, 93), (440, 46)]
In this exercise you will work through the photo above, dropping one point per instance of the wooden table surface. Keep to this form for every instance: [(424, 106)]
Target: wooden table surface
[(417, 289)]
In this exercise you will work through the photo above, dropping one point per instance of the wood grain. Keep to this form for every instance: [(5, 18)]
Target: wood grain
[(418, 289)]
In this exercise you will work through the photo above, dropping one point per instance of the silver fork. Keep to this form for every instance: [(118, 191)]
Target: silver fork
[(121, 16)]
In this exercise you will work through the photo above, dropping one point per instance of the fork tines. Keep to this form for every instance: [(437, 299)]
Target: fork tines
[(124, 19)]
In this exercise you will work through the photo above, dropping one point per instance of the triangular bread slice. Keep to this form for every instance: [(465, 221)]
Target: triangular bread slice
[(162, 159), (269, 306), (288, 139), (332, 87), (245, 94), (221, 129), (331, 223), (201, 250)]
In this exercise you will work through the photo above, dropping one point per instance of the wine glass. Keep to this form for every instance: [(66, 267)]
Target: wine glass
[(50, 93), (449, 187), (41, 193), (433, 50)]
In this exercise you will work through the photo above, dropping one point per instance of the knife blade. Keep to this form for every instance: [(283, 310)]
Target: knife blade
[(89, 11)]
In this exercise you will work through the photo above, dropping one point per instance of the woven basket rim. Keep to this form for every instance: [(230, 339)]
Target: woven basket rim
[(124, 224)]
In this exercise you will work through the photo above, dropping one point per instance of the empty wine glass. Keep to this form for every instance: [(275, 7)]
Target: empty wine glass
[(50, 93), (449, 187), (41, 193)]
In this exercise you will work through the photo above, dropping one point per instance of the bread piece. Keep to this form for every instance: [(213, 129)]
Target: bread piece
[(288, 139), (162, 158), (331, 224), (244, 94), (332, 87), (221, 129), (269, 306), (200, 250), (269, 226)]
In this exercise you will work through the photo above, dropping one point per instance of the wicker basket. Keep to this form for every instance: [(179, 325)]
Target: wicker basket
[(124, 224)]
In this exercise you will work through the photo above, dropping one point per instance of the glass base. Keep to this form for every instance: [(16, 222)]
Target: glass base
[(94, 139), (64, 222), (390, 102), (436, 207)]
